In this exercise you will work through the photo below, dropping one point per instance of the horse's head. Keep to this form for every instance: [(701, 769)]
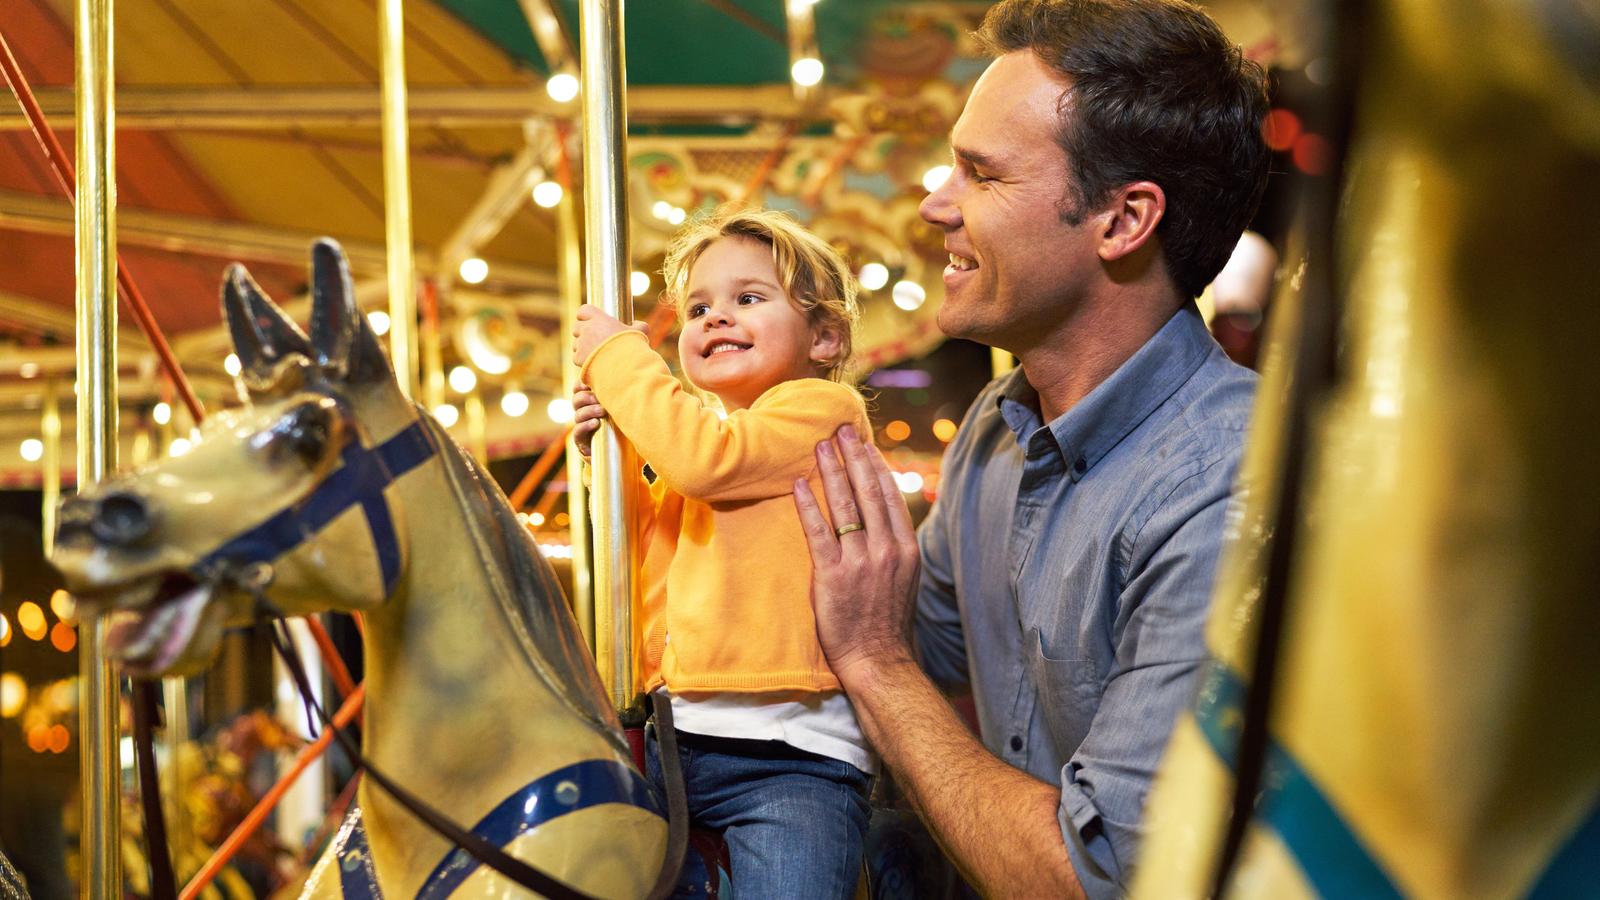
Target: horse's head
[(283, 498)]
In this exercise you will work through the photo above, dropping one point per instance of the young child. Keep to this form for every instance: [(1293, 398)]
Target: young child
[(772, 753)]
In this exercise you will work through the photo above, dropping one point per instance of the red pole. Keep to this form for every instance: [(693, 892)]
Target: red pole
[(66, 177), (252, 821)]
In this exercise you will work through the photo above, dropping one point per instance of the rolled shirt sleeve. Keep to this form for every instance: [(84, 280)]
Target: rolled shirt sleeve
[(1159, 649)]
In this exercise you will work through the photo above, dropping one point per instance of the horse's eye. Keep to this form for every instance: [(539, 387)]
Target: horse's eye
[(305, 431)]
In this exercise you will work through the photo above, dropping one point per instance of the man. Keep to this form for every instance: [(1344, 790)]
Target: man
[(1105, 165)]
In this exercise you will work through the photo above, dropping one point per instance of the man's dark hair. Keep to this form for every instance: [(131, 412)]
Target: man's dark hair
[(1157, 93)]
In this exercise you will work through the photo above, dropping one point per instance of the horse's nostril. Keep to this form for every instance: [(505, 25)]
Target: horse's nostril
[(121, 518)]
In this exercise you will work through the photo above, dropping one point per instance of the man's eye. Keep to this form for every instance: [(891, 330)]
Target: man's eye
[(980, 178)]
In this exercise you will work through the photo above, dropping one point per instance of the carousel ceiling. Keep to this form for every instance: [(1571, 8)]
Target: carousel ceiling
[(245, 130)]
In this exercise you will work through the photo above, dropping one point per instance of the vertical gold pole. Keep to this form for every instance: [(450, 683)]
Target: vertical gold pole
[(477, 426), (802, 34), (175, 699), (605, 117), (397, 197), (1000, 361), (50, 430), (570, 264), (97, 431)]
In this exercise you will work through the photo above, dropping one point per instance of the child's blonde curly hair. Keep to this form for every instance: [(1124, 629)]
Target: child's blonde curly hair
[(812, 272)]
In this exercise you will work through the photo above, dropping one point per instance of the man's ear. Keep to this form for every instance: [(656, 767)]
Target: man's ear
[(1131, 219), (826, 344)]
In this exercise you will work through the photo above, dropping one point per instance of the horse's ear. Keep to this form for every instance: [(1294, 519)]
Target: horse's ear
[(262, 334), (345, 345)]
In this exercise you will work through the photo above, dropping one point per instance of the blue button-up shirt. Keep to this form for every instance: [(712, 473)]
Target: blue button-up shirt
[(1067, 569)]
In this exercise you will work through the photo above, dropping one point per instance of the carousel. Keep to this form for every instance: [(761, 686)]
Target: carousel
[(304, 275)]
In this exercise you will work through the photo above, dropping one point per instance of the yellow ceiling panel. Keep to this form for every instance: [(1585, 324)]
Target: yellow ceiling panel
[(290, 186)]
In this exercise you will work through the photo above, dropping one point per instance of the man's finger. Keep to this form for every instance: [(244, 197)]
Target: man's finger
[(869, 495), (820, 540), (836, 485), (899, 513)]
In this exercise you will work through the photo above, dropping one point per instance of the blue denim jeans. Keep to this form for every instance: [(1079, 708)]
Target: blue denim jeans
[(794, 821)]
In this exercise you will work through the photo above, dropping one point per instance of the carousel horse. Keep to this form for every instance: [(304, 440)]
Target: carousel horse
[(332, 491)]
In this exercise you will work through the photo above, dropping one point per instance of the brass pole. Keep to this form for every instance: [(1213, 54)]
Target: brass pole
[(569, 258), (50, 430), (175, 701), (1000, 361), (96, 387), (477, 426), (397, 197), (616, 466)]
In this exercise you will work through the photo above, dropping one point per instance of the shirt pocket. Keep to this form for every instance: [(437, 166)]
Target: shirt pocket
[(1069, 695)]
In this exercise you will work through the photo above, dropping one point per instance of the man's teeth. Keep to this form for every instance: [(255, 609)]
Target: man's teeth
[(961, 263)]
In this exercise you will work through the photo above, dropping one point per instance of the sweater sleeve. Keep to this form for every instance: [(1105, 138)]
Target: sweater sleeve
[(753, 454)]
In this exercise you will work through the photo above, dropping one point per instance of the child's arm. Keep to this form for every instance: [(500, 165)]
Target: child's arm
[(753, 454)]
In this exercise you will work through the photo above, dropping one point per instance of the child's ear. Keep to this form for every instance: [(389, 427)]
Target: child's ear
[(825, 344)]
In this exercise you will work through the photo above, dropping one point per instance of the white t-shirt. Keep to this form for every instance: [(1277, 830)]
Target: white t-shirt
[(821, 723)]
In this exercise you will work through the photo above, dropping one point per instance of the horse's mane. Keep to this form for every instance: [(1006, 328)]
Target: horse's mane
[(527, 593)]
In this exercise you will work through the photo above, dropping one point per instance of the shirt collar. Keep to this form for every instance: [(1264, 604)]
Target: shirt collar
[(1087, 432)]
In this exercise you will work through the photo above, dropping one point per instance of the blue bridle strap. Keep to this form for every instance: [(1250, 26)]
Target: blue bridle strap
[(567, 790), (359, 481)]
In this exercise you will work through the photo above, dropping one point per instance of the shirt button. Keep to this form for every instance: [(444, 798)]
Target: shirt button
[(1078, 465), (1016, 743)]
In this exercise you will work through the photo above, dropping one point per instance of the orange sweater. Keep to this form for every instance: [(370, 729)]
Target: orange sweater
[(726, 581)]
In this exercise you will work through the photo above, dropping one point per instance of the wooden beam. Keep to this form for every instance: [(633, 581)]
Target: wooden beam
[(230, 240), (278, 108)]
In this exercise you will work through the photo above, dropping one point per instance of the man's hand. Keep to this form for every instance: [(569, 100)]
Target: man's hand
[(592, 327), (863, 582), (586, 415)]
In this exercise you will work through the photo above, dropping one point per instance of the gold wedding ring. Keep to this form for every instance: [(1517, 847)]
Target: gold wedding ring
[(843, 530)]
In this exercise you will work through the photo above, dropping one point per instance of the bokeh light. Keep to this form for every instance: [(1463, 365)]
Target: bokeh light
[(638, 283), (63, 637), (934, 177), (562, 87), (32, 449), (62, 604), (514, 403), (474, 270), (897, 430), (1313, 154), (547, 194), (379, 320), (874, 275), (30, 618), (559, 410), (944, 430), (446, 414), (908, 295), (162, 413), (231, 365), (462, 380), (13, 694), (806, 71), (1280, 129)]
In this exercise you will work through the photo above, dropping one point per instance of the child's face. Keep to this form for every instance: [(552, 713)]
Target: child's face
[(741, 333)]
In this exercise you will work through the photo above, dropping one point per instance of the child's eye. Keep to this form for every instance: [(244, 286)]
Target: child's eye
[(747, 299), (695, 311)]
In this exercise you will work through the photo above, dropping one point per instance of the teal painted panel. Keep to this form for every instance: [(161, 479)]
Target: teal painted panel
[(690, 42), (502, 22)]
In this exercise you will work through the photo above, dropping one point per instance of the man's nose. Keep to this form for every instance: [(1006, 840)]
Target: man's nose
[(939, 207)]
